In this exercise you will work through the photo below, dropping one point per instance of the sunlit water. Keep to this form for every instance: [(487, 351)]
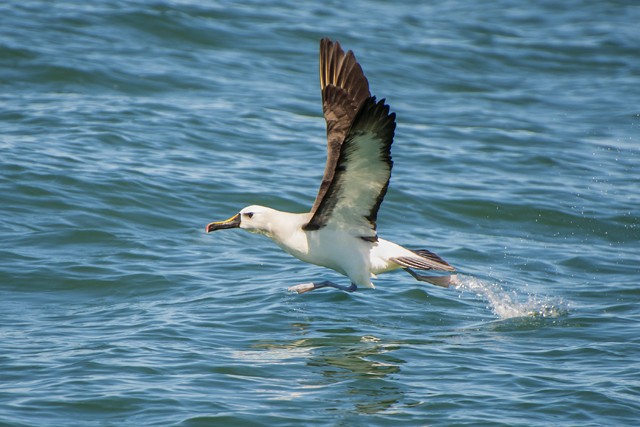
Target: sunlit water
[(127, 126)]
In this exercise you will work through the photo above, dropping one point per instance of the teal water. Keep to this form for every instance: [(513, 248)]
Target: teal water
[(127, 126)]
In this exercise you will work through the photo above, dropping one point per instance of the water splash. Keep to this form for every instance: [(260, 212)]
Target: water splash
[(508, 304)]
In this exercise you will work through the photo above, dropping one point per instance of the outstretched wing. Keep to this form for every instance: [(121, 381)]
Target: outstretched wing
[(344, 88), (361, 174)]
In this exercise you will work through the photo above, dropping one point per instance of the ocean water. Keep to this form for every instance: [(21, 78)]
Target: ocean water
[(126, 126)]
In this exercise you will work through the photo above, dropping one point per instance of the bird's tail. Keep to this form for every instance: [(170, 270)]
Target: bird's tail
[(424, 260), (427, 260)]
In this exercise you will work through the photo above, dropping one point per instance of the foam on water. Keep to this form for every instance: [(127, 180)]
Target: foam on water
[(509, 304)]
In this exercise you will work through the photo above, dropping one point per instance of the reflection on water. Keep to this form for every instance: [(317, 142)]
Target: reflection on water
[(360, 372), (359, 368)]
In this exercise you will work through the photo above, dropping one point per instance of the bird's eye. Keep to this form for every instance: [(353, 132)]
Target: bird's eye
[(249, 215)]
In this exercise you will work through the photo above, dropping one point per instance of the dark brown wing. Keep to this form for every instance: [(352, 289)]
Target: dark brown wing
[(361, 173), (344, 88)]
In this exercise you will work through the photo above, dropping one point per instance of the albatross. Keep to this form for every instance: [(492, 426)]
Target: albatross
[(340, 231)]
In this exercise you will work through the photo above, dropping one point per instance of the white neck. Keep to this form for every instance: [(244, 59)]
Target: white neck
[(285, 229)]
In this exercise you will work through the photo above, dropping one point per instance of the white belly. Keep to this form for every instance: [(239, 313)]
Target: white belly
[(333, 249)]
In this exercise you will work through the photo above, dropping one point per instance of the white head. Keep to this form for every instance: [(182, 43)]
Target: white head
[(254, 218)]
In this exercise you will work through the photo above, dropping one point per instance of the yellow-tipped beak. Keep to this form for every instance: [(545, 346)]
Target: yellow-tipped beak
[(233, 222)]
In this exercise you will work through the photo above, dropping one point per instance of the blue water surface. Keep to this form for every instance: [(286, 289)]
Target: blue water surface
[(129, 125)]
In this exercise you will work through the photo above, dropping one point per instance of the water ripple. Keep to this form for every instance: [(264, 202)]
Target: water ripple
[(128, 126)]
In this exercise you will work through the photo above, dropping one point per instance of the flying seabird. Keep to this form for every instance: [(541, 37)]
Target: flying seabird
[(340, 230)]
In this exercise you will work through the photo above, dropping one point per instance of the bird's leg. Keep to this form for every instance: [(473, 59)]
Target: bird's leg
[(442, 281), (306, 287)]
